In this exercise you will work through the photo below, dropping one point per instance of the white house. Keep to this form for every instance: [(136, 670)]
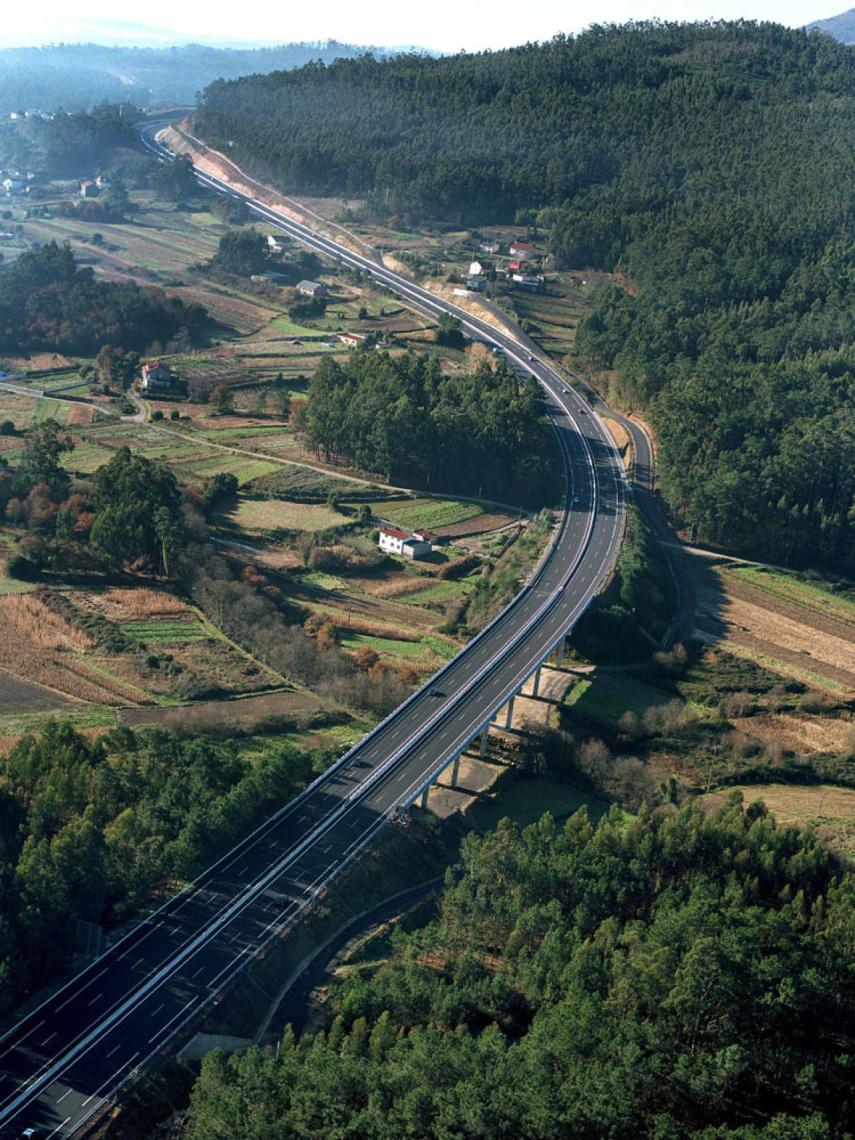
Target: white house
[(12, 185), (476, 269), (311, 288), (410, 544), (157, 377), (275, 244)]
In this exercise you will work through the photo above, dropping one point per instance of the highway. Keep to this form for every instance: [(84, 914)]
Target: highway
[(66, 1059)]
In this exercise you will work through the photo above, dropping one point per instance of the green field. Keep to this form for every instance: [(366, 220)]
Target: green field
[(261, 515), (608, 696), (423, 650), (430, 513), (169, 632)]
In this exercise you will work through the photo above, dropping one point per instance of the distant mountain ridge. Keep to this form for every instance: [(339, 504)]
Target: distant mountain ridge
[(841, 27), (78, 76)]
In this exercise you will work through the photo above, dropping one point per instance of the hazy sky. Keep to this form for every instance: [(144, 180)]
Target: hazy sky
[(447, 25)]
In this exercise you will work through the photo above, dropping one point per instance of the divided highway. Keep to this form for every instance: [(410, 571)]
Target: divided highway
[(62, 1063)]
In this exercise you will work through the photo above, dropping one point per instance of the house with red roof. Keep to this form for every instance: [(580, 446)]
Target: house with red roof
[(409, 543)]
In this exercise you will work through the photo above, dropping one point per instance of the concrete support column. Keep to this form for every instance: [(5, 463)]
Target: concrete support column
[(423, 802), (559, 653), (535, 685), (455, 770), (510, 717), (485, 740)]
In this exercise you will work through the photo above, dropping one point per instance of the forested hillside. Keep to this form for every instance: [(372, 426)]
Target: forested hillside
[(659, 977), (77, 76), (713, 163)]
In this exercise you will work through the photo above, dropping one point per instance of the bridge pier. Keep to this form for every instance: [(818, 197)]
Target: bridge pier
[(535, 684), (423, 800), (485, 741), (455, 770), (559, 652), (510, 716)]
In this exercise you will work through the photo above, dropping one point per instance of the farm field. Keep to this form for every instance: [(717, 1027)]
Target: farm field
[(792, 627), (263, 516), (119, 647)]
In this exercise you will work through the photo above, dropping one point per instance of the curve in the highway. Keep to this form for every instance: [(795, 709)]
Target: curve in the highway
[(65, 1059)]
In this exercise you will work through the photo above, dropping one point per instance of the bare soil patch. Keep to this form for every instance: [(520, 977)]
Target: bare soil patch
[(80, 415), (17, 695)]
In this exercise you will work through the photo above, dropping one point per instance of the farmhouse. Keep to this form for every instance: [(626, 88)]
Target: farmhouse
[(275, 243), (311, 289), (352, 338), (157, 377), (12, 185), (411, 544), (521, 250), (89, 189)]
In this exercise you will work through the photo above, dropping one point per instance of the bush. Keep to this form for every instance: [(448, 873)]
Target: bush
[(23, 568)]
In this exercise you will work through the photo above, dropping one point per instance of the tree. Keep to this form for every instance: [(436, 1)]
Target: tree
[(223, 400), (175, 181), (449, 332), (242, 251), (137, 512), (44, 444)]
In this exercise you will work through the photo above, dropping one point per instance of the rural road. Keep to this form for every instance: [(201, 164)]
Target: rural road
[(69, 1058)]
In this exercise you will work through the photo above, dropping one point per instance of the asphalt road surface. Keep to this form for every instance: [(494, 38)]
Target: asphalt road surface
[(71, 1055)]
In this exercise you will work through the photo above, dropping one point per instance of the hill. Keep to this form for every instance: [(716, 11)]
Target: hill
[(841, 27), (703, 160), (77, 76)]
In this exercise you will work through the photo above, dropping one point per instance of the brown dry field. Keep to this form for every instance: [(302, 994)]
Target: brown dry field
[(38, 362), (809, 641), (829, 808), (80, 415), (39, 645), (212, 714), (120, 605), (482, 524), (799, 734)]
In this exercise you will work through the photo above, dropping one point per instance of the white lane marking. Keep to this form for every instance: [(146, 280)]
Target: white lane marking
[(58, 1127), (77, 993), (193, 999)]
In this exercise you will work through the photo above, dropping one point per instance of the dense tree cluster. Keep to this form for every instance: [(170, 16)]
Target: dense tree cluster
[(128, 516), (242, 252), (47, 302), (89, 828), (706, 161), (660, 977), (479, 432)]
